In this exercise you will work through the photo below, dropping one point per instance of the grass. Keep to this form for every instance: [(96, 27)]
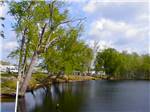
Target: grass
[(8, 86), (79, 78), (8, 75), (8, 81), (39, 77)]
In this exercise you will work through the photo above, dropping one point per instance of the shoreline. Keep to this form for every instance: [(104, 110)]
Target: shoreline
[(57, 80), (52, 80)]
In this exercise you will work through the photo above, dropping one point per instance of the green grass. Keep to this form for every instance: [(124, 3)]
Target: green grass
[(8, 75), (8, 85), (39, 76)]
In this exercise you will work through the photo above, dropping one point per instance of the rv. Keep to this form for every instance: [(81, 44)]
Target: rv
[(8, 68)]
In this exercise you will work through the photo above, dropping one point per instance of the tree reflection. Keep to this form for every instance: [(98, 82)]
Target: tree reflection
[(57, 98), (21, 105)]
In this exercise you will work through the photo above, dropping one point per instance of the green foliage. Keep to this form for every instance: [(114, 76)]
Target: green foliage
[(69, 55), (123, 65), (8, 75), (107, 59), (31, 17)]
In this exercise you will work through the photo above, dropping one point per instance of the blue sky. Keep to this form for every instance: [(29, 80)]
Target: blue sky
[(121, 24)]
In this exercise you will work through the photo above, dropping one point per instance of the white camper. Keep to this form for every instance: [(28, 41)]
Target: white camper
[(8, 68)]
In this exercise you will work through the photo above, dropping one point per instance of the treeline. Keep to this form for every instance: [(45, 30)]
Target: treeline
[(123, 65)]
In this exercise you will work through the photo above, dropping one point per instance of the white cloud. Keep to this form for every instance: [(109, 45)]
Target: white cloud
[(102, 44), (105, 27), (129, 33), (118, 34), (90, 7), (9, 45), (1, 10), (143, 17), (95, 5)]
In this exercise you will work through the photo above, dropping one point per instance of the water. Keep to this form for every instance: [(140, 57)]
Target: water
[(87, 96)]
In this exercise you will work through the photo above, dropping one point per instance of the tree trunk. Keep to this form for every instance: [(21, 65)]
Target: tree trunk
[(28, 75), (21, 53)]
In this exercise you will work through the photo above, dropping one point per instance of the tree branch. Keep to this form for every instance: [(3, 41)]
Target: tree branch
[(73, 20), (21, 51), (64, 22), (50, 23), (41, 36), (51, 43)]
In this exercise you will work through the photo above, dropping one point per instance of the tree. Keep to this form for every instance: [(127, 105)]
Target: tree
[(108, 59), (40, 24), (95, 49), (123, 65), (69, 55)]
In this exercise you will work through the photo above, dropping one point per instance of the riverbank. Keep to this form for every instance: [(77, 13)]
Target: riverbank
[(8, 82)]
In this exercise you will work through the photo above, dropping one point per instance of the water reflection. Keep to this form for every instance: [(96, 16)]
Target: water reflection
[(21, 105), (57, 98), (88, 96)]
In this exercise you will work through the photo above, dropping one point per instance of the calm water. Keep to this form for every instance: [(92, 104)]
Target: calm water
[(88, 96)]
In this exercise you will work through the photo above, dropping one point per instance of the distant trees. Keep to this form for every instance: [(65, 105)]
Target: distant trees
[(123, 65)]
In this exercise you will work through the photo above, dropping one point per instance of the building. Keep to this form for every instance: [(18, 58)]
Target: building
[(9, 68)]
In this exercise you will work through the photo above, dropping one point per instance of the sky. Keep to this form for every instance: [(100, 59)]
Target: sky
[(120, 24)]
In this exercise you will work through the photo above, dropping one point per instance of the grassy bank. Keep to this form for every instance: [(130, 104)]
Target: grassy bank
[(8, 82)]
